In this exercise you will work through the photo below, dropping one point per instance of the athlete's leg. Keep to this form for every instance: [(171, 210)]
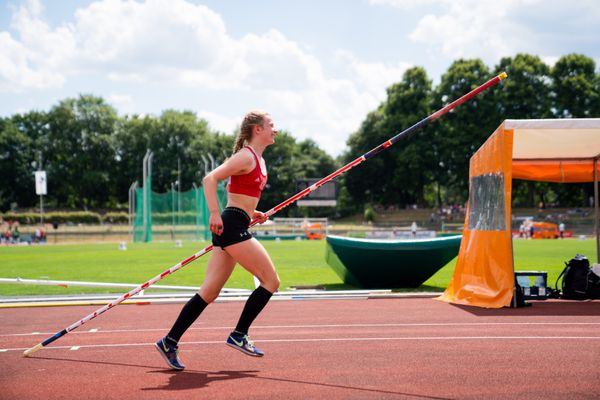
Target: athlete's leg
[(253, 257), (220, 266)]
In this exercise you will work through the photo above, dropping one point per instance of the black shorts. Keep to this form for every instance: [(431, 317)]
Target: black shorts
[(235, 228)]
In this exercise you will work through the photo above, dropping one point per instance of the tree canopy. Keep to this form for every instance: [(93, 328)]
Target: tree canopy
[(92, 154)]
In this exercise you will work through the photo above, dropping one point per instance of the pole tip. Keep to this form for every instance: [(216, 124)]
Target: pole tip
[(503, 76), (29, 352)]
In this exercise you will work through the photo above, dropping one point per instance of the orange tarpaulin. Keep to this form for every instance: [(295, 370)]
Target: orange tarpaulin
[(484, 271)]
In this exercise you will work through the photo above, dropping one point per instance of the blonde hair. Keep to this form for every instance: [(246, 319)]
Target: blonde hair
[(253, 118)]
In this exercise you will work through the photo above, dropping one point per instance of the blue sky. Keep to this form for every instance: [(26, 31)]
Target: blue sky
[(318, 66)]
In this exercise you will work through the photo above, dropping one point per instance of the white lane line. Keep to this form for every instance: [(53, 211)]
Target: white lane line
[(399, 325), (75, 348), (338, 339)]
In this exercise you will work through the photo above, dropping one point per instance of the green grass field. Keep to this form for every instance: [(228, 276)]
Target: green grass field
[(297, 262)]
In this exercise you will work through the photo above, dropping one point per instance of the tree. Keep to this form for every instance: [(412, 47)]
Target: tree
[(363, 184), (79, 152), (217, 144), (408, 102), (17, 180), (171, 141), (131, 140), (458, 135), (526, 92), (574, 87), (398, 176)]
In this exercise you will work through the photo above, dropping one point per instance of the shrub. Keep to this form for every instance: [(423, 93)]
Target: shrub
[(115, 218), (370, 214), (59, 217)]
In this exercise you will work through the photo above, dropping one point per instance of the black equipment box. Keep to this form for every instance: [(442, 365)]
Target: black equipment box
[(533, 284)]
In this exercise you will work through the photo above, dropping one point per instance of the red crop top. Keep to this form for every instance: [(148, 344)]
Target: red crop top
[(250, 184)]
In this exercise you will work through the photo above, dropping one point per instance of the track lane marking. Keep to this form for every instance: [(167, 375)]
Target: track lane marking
[(349, 339), (326, 326)]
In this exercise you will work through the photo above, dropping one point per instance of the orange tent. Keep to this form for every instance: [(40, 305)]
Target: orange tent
[(553, 150)]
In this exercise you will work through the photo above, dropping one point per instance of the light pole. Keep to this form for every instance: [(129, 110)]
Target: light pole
[(40, 186), (173, 209)]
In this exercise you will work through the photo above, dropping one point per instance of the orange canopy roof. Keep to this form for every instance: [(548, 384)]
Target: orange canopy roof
[(555, 150)]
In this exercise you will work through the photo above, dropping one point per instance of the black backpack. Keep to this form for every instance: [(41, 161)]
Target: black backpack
[(579, 281)]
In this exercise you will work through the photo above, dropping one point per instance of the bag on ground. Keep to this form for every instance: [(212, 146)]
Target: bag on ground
[(579, 281)]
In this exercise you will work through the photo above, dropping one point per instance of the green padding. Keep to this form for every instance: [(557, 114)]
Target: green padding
[(389, 263)]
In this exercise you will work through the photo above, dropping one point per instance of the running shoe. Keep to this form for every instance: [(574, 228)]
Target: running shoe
[(170, 354), (244, 344)]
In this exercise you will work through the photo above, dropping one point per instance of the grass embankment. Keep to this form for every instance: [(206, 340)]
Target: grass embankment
[(297, 262)]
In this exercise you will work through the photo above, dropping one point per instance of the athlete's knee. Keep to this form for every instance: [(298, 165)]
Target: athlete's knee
[(272, 283), (208, 295)]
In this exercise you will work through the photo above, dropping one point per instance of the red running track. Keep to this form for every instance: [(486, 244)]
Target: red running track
[(315, 349)]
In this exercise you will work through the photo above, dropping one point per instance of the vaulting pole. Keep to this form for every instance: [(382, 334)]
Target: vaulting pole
[(404, 134)]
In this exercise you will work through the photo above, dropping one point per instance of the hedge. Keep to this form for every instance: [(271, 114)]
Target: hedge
[(89, 217), (63, 217)]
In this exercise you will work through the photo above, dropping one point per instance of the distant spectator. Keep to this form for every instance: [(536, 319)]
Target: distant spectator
[(531, 231), (561, 230), (522, 231), (16, 235), (413, 229)]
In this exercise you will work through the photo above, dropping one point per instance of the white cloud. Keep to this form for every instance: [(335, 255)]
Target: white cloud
[(470, 28), (157, 32), (132, 77), (374, 77), (491, 30), (38, 58), (219, 121), (122, 102)]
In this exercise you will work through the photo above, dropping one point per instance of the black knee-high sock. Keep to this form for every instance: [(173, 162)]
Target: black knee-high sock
[(254, 305), (189, 313)]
